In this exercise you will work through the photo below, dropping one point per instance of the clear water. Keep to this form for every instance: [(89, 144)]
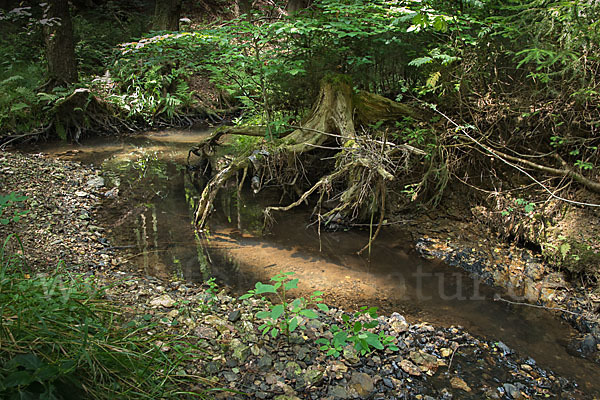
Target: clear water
[(151, 219)]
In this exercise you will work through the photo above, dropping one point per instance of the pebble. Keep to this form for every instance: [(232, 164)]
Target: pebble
[(458, 383), (235, 355), (163, 301), (234, 315)]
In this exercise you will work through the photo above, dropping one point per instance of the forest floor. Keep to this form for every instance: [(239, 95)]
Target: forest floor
[(432, 362)]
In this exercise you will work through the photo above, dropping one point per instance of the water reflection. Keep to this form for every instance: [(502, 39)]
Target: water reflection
[(151, 218)]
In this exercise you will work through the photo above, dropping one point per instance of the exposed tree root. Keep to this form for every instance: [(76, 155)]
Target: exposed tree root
[(336, 124)]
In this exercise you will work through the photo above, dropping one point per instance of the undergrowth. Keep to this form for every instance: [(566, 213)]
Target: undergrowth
[(60, 339)]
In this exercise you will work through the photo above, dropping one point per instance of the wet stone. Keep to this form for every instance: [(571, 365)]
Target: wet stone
[(458, 383), (511, 391), (588, 345), (388, 382), (234, 315), (410, 368)]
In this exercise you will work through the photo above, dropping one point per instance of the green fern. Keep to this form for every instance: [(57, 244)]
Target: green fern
[(417, 62), (433, 79)]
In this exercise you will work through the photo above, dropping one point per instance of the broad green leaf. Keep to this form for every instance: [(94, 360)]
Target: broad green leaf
[(263, 314), (293, 324), (308, 313), (373, 340), (262, 288), (293, 284), (277, 311), (28, 361), (322, 307), (18, 378)]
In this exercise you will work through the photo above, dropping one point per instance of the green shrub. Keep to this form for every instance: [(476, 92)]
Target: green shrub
[(62, 340), (152, 74)]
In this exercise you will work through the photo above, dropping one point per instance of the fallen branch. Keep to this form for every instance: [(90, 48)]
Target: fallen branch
[(516, 303), (560, 172)]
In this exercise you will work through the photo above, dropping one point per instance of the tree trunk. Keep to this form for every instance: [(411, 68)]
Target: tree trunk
[(296, 5), (338, 113), (60, 46), (242, 7), (166, 15)]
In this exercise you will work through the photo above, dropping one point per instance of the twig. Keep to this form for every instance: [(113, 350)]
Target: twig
[(517, 303), (452, 357), (496, 154)]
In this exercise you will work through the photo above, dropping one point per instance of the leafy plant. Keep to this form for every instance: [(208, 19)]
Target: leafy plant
[(7, 201), (210, 294), (150, 75), (357, 333), (285, 316), (62, 340)]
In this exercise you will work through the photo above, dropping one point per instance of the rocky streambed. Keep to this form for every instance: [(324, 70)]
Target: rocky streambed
[(431, 362), (527, 280)]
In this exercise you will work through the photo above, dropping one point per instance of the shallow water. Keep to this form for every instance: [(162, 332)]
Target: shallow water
[(151, 219)]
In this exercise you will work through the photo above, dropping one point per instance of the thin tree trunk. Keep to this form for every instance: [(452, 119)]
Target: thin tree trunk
[(166, 15), (296, 5), (60, 46)]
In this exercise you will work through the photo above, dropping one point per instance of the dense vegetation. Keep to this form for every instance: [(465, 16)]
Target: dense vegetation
[(370, 109), (489, 82)]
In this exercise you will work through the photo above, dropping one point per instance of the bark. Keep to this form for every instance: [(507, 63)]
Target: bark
[(242, 7), (166, 15), (337, 110), (60, 46), (296, 5), (334, 115)]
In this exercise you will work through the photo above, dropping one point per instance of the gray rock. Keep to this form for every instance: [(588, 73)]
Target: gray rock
[(313, 377), (337, 392), (351, 355), (511, 391), (230, 376), (96, 182), (362, 383), (293, 369), (588, 345), (265, 362), (314, 324), (213, 367), (504, 348), (234, 315), (302, 352), (240, 350)]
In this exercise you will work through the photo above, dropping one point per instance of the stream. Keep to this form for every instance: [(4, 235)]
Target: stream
[(150, 218)]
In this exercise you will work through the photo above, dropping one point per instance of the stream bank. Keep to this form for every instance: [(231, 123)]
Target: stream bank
[(238, 357), (154, 194)]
